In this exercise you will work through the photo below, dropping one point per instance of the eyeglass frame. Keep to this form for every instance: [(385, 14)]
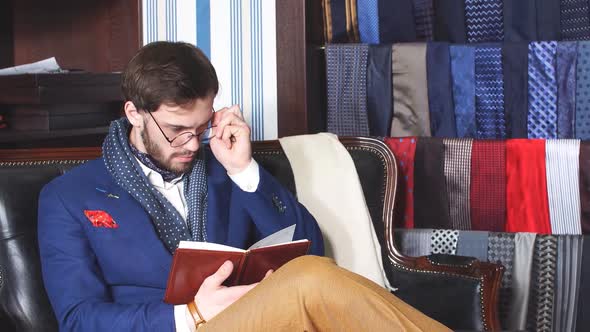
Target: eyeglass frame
[(198, 135)]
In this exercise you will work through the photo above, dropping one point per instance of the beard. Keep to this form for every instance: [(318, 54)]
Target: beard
[(160, 159)]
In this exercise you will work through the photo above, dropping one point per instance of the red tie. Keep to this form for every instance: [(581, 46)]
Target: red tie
[(404, 150)]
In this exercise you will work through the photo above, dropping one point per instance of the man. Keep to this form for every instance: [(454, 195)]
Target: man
[(108, 229)]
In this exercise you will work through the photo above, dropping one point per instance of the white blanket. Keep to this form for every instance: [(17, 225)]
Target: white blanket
[(328, 186)]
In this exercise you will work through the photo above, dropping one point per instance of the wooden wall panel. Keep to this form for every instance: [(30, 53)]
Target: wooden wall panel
[(94, 35)]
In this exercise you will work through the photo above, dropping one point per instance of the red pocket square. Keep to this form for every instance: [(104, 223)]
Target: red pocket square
[(100, 218)]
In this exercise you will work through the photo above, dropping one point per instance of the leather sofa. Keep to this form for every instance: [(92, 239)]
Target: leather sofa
[(460, 292)]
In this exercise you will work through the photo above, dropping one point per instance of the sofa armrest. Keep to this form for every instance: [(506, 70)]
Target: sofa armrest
[(457, 291)]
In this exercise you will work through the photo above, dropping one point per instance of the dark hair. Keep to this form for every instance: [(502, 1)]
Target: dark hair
[(168, 72)]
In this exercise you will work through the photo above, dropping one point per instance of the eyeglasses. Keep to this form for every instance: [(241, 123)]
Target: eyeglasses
[(182, 138)]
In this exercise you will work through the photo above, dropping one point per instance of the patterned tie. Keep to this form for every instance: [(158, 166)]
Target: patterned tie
[(567, 53), (501, 250), (540, 313), (463, 74), (457, 169), (488, 185), (347, 89), (414, 242), (484, 20), (489, 93), (404, 150), (424, 16), (444, 241), (582, 130), (542, 116), (368, 20), (575, 23)]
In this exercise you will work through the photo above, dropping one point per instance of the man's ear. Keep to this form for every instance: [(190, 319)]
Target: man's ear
[(133, 114)]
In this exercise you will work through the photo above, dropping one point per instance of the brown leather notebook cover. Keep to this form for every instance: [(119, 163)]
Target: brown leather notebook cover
[(190, 267)]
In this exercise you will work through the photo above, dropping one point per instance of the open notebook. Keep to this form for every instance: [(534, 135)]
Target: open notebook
[(195, 261)]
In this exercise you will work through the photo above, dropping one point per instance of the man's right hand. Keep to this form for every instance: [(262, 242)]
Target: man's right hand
[(213, 297)]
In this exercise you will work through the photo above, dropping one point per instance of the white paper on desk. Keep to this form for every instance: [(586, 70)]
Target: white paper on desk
[(44, 66)]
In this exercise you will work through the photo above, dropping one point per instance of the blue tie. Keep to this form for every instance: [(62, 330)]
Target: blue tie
[(542, 116), (484, 20), (346, 73), (463, 74), (583, 91), (575, 23), (566, 88), (489, 92), (368, 21)]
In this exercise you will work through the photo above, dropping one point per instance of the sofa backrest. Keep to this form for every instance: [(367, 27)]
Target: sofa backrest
[(24, 305)]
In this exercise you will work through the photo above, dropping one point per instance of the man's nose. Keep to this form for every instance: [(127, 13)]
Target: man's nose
[(192, 145)]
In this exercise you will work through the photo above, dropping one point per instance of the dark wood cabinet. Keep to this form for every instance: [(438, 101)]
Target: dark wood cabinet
[(94, 39)]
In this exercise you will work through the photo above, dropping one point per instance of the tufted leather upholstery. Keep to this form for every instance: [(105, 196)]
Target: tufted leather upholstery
[(23, 302)]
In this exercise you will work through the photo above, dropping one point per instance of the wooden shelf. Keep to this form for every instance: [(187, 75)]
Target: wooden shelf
[(10, 139), (60, 88)]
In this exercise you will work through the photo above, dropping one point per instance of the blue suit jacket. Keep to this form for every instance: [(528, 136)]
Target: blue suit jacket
[(113, 279)]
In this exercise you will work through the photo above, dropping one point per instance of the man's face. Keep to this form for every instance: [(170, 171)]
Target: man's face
[(175, 120)]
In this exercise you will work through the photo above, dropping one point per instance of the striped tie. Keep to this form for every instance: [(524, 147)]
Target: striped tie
[(424, 16), (484, 20), (542, 116)]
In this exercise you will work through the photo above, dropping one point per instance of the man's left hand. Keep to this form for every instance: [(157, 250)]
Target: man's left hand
[(230, 141)]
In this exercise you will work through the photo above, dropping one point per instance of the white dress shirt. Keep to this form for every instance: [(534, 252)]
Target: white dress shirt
[(247, 180)]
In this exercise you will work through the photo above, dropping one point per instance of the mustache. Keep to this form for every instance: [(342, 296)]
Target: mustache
[(185, 154)]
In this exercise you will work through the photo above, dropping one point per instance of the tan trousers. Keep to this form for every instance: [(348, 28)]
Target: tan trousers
[(312, 293)]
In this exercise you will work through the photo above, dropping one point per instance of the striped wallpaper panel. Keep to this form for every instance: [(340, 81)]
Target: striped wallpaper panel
[(239, 36)]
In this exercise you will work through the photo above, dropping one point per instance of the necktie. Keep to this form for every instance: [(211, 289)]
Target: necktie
[(524, 246), (463, 74), (515, 64), (575, 23), (396, 21), (583, 319), (562, 164), (457, 168), (542, 116), (484, 20), (414, 242), (431, 203), (501, 250), (404, 150), (527, 209), (347, 89), (368, 21), (449, 21), (520, 21), (379, 90), (567, 281), (473, 244), (489, 92), (584, 185), (340, 21), (543, 284), (410, 97), (488, 185), (440, 90), (548, 19), (444, 241), (566, 88), (582, 117), (424, 16)]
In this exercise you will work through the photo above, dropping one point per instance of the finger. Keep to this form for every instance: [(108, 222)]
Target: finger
[(216, 279), (221, 114), (230, 119)]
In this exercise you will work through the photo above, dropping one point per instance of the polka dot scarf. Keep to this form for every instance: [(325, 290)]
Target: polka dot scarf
[(127, 172)]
